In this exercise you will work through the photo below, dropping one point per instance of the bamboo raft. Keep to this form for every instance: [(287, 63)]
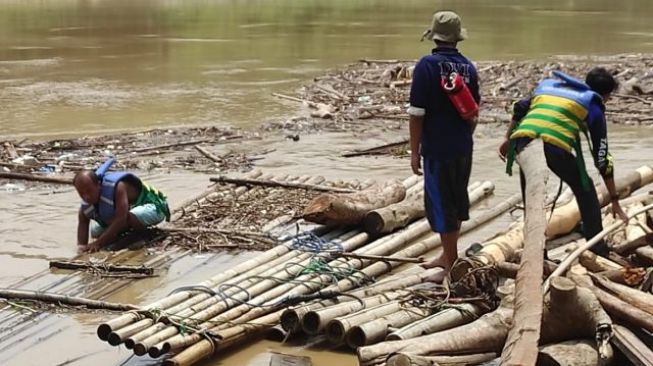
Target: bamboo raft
[(374, 306), (369, 299)]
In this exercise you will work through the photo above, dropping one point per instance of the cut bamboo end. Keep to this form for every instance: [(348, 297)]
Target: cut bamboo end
[(356, 337), (335, 332), (311, 323), (114, 339), (398, 360), (129, 343), (290, 321), (103, 331), (156, 351), (140, 349)]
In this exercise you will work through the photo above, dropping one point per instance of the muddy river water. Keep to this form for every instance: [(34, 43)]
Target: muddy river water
[(70, 67)]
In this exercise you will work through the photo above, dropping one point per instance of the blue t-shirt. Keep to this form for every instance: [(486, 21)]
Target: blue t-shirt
[(445, 134)]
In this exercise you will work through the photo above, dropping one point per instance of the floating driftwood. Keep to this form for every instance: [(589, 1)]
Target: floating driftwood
[(64, 299), (107, 267)]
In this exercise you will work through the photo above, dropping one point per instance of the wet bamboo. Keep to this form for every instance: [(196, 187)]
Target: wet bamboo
[(214, 309), (281, 292), (106, 328), (443, 320), (336, 330), (407, 359), (377, 329), (214, 305), (291, 318)]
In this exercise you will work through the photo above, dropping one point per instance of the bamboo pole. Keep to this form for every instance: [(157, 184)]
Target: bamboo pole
[(104, 266), (215, 305), (337, 329), (443, 320), (106, 328), (377, 330), (291, 318), (567, 217)]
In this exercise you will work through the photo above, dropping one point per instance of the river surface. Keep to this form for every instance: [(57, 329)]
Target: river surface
[(94, 66)]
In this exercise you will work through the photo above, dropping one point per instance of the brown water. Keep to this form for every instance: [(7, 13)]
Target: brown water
[(77, 67)]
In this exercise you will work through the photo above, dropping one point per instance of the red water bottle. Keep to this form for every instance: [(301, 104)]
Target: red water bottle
[(460, 96)]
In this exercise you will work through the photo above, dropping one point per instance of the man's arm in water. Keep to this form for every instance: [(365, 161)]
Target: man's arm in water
[(82, 229)]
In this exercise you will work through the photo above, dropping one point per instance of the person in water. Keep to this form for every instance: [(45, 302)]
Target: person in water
[(114, 203)]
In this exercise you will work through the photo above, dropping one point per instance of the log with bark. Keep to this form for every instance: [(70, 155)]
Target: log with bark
[(350, 209), (387, 219), (524, 334), (408, 359), (636, 298), (443, 320), (577, 352)]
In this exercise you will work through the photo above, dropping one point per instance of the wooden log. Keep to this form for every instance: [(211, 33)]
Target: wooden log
[(103, 266), (638, 299), (350, 209), (407, 359), (596, 263), (36, 178), (629, 246), (637, 352), (564, 266), (577, 352), (524, 335), (169, 146), (270, 183), (625, 276), (615, 306), (64, 299), (375, 150), (645, 254), (389, 218), (443, 320), (209, 155), (487, 334), (509, 270)]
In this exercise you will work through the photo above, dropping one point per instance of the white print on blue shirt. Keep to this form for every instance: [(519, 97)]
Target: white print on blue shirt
[(447, 68)]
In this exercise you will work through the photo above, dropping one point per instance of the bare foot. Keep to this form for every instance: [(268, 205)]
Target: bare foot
[(437, 262), (437, 277)]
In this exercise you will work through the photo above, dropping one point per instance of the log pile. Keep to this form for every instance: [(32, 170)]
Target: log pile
[(181, 148), (373, 93)]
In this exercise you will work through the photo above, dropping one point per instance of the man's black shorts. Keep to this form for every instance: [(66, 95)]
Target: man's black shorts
[(445, 192)]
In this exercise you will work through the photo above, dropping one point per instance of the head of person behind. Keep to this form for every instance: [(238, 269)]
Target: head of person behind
[(88, 186), (602, 82)]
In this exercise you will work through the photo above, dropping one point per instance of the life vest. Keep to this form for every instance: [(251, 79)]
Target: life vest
[(105, 210), (557, 112), (557, 115)]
